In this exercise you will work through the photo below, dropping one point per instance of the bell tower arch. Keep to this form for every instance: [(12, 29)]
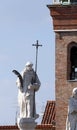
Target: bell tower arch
[(72, 61), (64, 16)]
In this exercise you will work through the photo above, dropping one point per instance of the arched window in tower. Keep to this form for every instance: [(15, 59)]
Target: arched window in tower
[(72, 61)]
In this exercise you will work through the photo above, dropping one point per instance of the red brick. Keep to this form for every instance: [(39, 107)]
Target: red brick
[(64, 18)]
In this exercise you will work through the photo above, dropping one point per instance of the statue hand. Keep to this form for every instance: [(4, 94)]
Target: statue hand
[(30, 86), (35, 87)]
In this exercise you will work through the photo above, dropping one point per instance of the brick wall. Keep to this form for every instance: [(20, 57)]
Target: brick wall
[(65, 27), (63, 86), (64, 17)]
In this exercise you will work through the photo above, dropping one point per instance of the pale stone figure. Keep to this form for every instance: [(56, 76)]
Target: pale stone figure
[(26, 92), (71, 123)]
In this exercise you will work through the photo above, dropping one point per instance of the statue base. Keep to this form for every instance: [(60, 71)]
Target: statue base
[(26, 123)]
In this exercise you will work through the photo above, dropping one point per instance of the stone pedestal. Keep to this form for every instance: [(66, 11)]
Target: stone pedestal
[(26, 123)]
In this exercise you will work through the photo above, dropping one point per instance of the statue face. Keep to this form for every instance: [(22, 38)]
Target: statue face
[(75, 93), (29, 67)]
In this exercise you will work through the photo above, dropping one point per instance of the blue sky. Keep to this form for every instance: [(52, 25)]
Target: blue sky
[(22, 22)]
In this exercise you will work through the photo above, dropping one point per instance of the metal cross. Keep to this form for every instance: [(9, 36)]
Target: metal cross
[(36, 45)]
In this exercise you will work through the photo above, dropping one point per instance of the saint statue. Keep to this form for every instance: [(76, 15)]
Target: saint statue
[(26, 91), (71, 123)]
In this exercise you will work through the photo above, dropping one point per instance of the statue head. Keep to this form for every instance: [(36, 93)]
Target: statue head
[(29, 65), (74, 92)]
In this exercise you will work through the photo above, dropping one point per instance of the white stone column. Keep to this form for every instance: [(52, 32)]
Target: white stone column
[(26, 123)]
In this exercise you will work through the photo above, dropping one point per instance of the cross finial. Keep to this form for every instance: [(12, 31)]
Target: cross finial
[(37, 44)]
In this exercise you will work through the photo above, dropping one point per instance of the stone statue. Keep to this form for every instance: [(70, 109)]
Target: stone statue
[(26, 92), (71, 123)]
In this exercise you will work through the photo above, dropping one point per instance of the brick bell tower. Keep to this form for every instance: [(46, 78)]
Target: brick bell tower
[(64, 15)]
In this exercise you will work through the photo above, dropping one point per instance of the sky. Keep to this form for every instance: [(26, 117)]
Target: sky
[(22, 23)]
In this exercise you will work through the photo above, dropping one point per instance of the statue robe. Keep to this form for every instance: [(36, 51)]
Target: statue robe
[(71, 123)]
